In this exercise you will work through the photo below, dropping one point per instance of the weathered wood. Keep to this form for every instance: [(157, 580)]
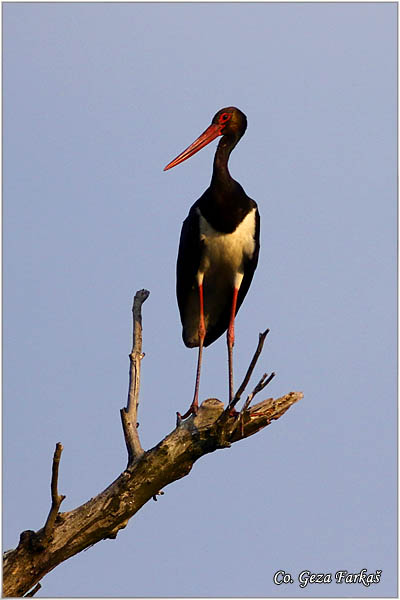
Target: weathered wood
[(129, 414), (56, 498), (108, 512), (68, 533)]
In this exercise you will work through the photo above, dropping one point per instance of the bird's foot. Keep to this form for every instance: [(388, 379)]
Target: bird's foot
[(193, 410), (233, 412)]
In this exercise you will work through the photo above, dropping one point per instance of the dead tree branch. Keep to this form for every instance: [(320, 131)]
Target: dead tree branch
[(56, 499), (68, 533), (243, 385), (129, 414), (264, 381)]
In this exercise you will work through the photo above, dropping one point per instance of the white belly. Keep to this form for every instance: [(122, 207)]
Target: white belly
[(221, 269), (227, 251)]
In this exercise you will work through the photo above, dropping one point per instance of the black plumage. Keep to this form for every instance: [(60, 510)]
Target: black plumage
[(219, 245)]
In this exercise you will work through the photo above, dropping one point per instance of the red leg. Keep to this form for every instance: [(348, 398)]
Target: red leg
[(230, 337), (202, 334)]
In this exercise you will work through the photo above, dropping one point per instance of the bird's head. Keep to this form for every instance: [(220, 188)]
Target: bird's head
[(228, 121)]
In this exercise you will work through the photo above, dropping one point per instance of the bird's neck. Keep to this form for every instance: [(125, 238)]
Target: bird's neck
[(221, 175), (224, 204)]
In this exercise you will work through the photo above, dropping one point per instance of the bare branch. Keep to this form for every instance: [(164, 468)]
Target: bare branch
[(147, 474), (242, 387), (260, 415), (56, 499), (108, 512), (264, 381), (129, 414)]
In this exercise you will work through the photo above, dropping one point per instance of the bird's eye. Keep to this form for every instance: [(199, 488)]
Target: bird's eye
[(224, 117)]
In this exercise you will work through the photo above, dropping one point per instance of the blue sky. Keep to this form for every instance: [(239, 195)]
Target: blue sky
[(97, 98)]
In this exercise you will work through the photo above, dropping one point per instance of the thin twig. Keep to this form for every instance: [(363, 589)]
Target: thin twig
[(242, 387), (33, 591), (56, 498), (129, 414), (264, 381)]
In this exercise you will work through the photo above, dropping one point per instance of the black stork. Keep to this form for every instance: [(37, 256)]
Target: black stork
[(218, 249)]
